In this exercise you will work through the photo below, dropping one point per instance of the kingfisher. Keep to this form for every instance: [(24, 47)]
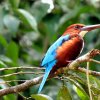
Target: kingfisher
[(64, 50)]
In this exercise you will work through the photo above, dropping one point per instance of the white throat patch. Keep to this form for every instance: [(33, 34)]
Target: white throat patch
[(82, 33)]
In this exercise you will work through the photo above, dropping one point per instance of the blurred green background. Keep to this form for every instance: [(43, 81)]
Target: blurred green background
[(29, 27)]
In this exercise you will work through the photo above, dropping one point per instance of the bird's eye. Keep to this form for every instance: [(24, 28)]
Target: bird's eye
[(77, 27)]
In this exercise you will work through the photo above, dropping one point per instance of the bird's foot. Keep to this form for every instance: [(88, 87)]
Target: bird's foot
[(69, 61)]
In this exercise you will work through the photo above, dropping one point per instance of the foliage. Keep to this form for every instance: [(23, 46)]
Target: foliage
[(27, 30)]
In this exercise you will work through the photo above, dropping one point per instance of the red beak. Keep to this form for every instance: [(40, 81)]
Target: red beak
[(90, 27)]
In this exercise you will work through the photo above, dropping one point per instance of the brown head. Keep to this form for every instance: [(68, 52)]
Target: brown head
[(80, 29)]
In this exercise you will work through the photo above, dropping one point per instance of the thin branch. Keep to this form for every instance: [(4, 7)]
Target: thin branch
[(83, 70), (5, 82), (18, 73), (88, 81), (21, 87), (96, 61), (21, 67)]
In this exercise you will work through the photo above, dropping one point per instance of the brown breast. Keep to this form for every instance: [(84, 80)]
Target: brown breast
[(70, 49)]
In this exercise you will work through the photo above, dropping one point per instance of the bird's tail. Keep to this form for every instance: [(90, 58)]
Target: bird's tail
[(47, 71)]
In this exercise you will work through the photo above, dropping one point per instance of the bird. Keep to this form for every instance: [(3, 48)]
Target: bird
[(65, 49)]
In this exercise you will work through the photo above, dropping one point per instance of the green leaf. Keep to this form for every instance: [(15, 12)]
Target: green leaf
[(10, 97), (51, 25), (14, 3), (39, 14), (74, 14), (12, 23), (2, 64), (5, 59), (27, 18), (95, 87), (3, 41), (12, 51), (2, 13), (79, 87), (64, 4), (64, 94), (81, 94), (95, 82), (41, 97)]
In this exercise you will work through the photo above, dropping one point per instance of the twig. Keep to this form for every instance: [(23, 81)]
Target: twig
[(18, 73), (88, 81), (83, 70), (21, 67), (92, 60), (5, 82)]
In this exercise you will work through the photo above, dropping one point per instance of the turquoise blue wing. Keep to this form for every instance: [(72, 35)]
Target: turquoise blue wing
[(51, 53)]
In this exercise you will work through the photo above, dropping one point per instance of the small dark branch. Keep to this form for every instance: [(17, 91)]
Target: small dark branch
[(95, 61), (90, 71), (21, 87), (9, 81), (22, 67), (19, 73)]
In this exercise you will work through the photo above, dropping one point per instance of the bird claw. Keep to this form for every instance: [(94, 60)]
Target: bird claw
[(69, 61)]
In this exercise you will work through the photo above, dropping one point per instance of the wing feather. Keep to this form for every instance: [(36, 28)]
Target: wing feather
[(51, 53)]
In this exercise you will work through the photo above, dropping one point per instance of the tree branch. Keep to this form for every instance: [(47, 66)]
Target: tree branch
[(9, 81), (72, 66), (18, 73), (21, 67), (21, 87), (83, 70)]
